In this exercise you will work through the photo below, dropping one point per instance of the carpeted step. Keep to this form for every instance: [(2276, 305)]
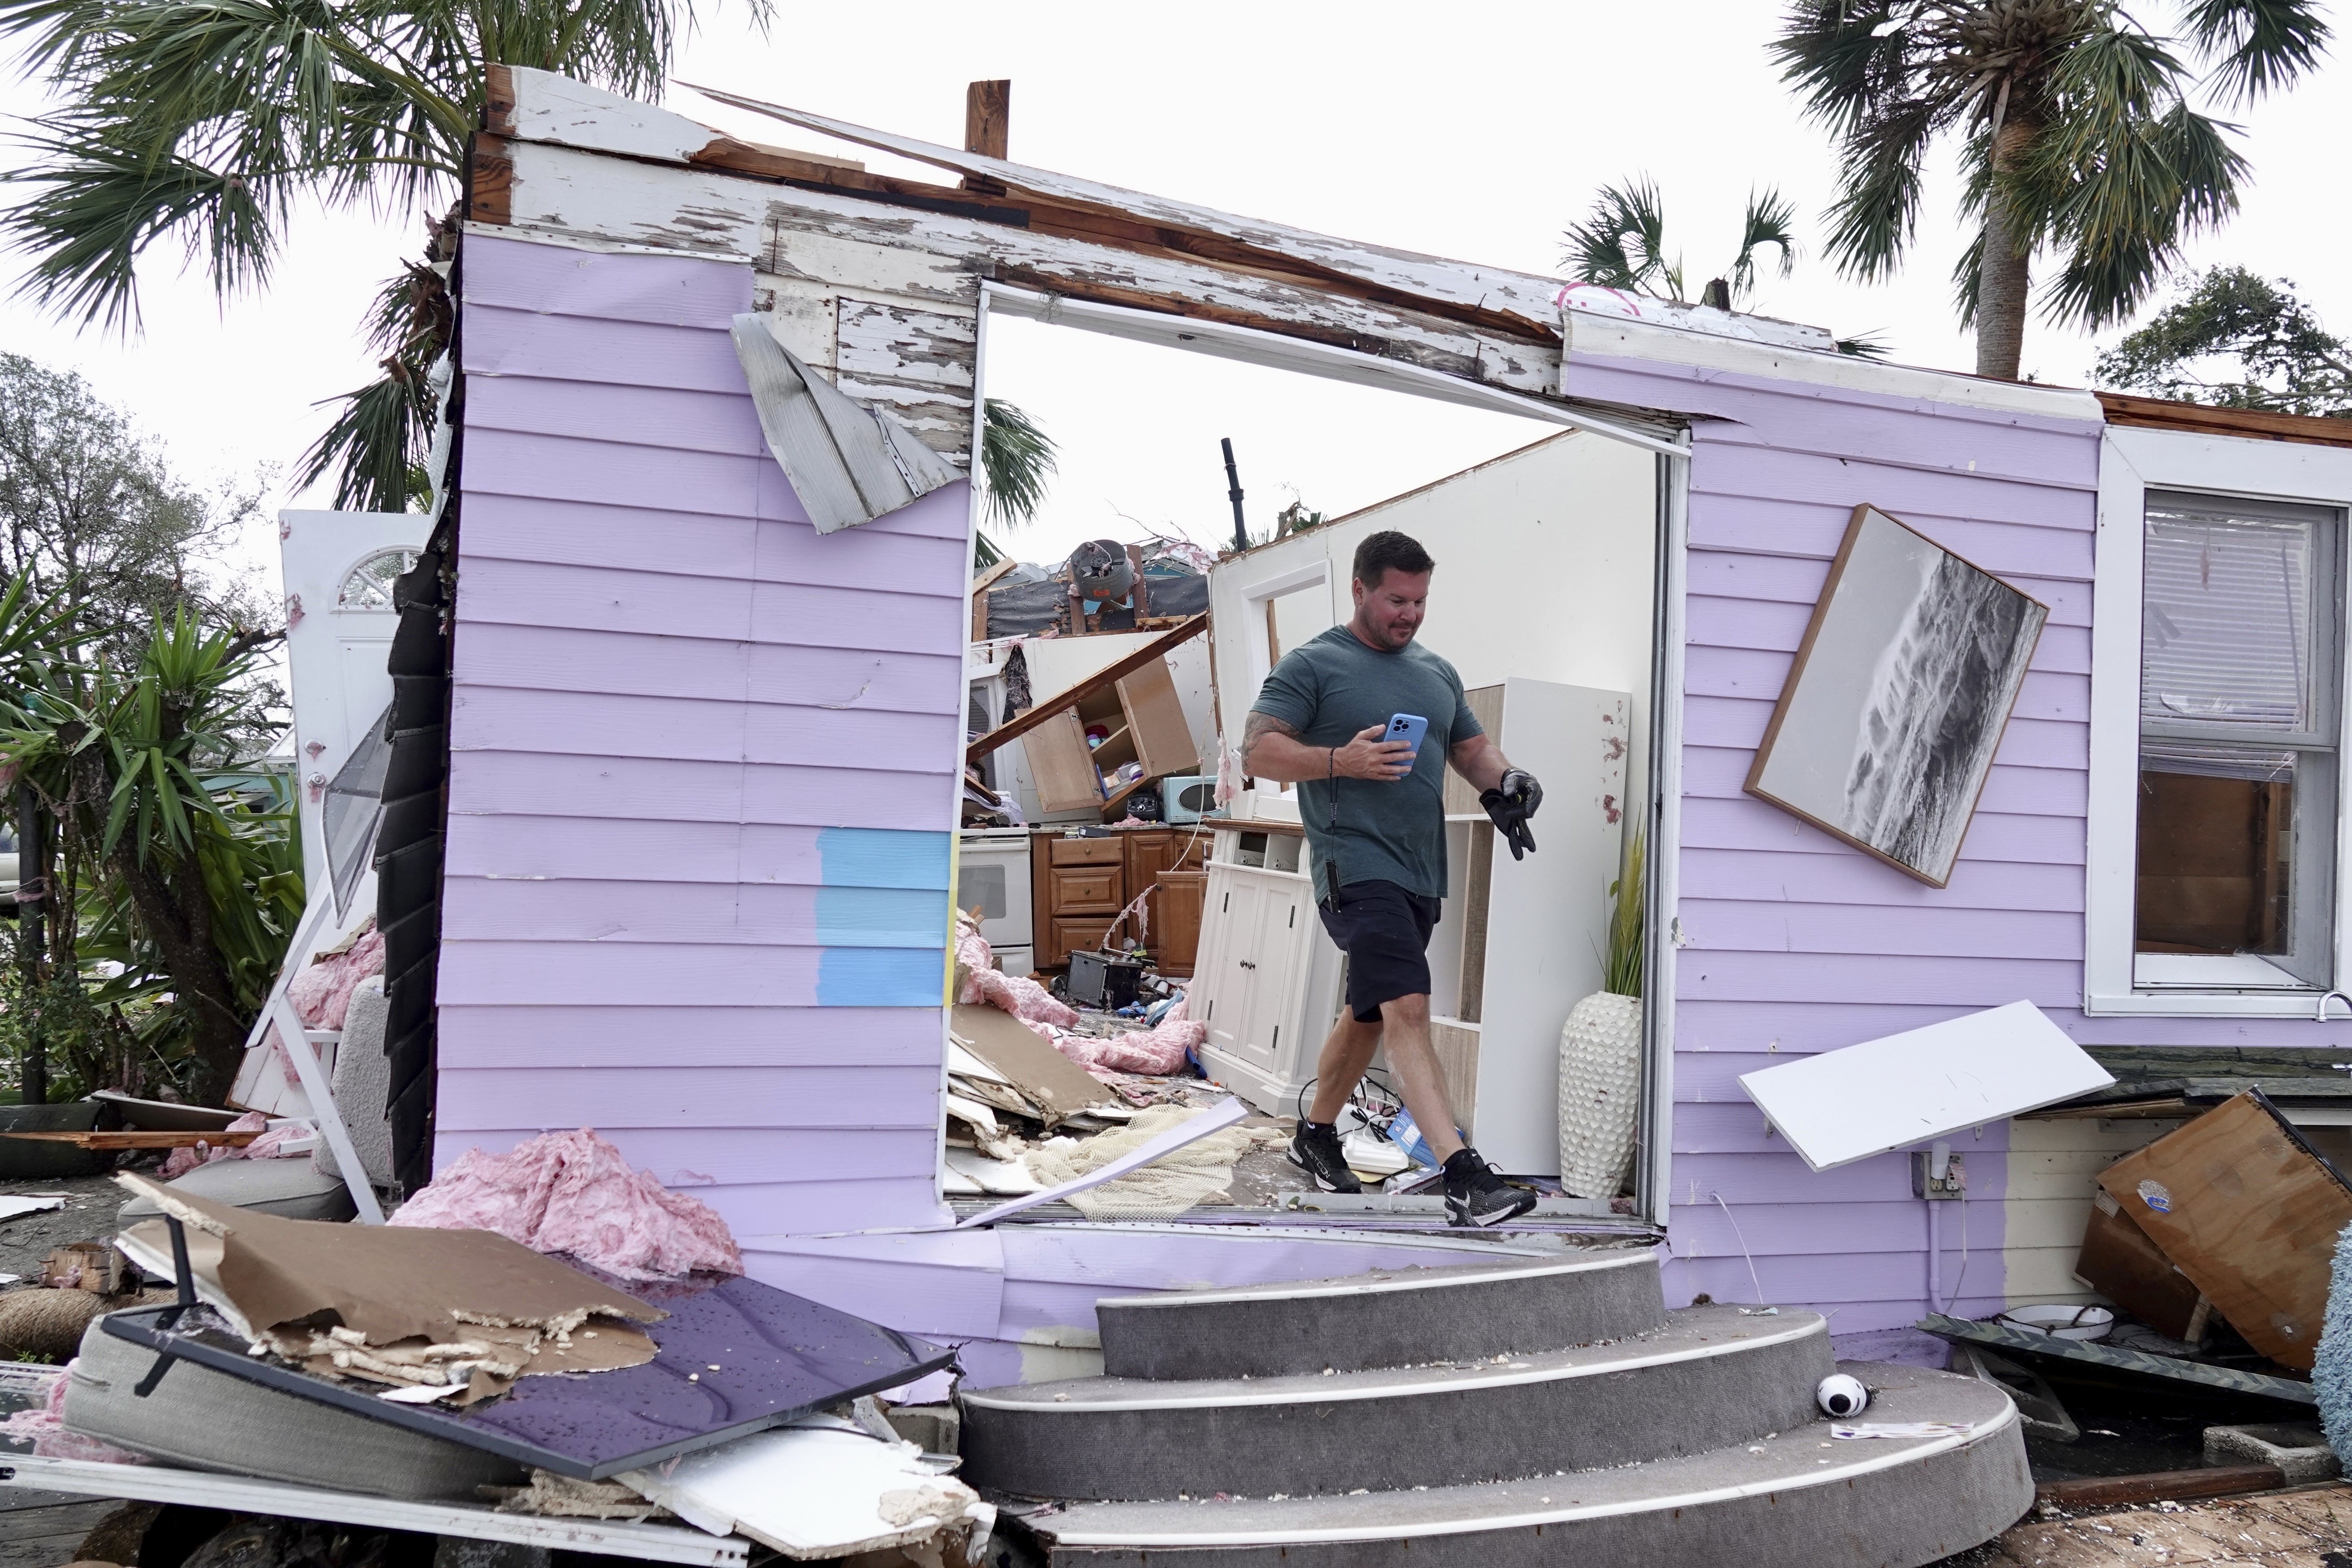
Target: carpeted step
[(1706, 1376), (1393, 1317)]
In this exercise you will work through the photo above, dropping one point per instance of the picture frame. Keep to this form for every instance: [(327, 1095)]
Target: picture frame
[(1886, 728)]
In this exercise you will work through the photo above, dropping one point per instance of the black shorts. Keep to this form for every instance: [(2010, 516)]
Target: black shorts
[(1384, 931)]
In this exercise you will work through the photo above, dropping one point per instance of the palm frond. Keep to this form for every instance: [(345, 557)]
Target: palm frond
[(1770, 219), (1622, 243), (1016, 460), (2263, 44), (1877, 214)]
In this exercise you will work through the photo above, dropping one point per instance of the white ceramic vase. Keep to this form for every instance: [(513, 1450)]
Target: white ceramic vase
[(1599, 1093)]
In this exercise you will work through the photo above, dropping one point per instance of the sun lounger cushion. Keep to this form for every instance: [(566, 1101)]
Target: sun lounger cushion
[(208, 1420), (289, 1188)]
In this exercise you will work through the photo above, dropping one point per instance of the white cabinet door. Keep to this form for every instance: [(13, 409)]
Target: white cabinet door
[(1275, 959), (1231, 971)]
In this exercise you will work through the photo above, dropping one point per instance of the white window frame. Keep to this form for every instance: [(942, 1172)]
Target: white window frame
[(2115, 980)]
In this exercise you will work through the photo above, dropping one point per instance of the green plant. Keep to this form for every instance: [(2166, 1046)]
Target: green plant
[(2078, 136), (2227, 321), (1622, 965), (212, 122), (191, 891), (1016, 460)]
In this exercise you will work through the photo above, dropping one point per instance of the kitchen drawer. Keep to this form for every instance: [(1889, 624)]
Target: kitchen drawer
[(1080, 935), (1084, 890), (1088, 852)]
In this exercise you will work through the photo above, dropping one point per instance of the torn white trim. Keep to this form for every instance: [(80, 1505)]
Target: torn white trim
[(848, 462)]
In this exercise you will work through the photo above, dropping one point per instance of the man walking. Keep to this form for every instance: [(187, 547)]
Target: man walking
[(1374, 813)]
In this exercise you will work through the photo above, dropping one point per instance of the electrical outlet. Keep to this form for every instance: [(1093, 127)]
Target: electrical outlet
[(1923, 1185)]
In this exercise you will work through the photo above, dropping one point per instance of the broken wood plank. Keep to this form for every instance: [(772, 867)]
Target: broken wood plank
[(987, 117), (2161, 1485), (138, 1139), (1063, 700)]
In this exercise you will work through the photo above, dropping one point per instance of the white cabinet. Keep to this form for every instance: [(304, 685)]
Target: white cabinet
[(1268, 980)]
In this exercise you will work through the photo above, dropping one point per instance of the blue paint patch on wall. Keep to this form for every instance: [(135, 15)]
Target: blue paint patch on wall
[(878, 977), (883, 857), (882, 917)]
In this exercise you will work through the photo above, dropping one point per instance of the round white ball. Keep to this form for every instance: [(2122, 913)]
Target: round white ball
[(1841, 1396)]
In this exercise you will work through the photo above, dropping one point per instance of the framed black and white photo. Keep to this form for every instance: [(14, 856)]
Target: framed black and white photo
[(1888, 723)]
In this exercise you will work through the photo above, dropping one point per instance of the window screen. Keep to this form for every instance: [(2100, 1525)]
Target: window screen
[(2240, 643)]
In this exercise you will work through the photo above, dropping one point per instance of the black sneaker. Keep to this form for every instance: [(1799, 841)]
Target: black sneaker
[(1316, 1150), (1474, 1194)]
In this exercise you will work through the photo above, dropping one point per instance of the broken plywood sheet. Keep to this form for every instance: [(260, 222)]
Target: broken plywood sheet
[(1058, 1086), (2245, 1209), (2122, 1264)]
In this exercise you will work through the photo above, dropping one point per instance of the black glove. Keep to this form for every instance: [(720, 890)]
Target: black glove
[(1511, 812), (1520, 784)]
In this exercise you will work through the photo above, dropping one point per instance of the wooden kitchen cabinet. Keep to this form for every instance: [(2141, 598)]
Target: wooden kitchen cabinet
[(1145, 723), (1081, 885)]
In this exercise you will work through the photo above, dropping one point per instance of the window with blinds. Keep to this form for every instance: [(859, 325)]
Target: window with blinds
[(2241, 638)]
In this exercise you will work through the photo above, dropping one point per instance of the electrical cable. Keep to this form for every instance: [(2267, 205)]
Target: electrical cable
[(1752, 1279)]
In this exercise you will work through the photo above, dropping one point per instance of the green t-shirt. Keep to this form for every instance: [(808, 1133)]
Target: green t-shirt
[(1332, 689)]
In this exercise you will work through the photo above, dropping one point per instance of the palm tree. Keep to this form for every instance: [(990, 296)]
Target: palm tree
[(2079, 137), (209, 122), (1621, 245), (1016, 459)]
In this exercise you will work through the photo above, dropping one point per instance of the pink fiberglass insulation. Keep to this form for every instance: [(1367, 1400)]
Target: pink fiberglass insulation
[(572, 1193), (322, 993), (51, 1438), (180, 1162), (1015, 993), (1158, 1051)]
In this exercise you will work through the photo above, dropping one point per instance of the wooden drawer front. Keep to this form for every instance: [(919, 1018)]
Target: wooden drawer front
[(1194, 852), (1087, 889), (1080, 935), (1088, 851)]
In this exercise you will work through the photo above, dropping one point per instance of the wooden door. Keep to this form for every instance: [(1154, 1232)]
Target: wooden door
[(1176, 928), (1061, 765), (1149, 852)]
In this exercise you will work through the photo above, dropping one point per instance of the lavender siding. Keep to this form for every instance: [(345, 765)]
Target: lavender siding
[(1796, 942), (701, 786)]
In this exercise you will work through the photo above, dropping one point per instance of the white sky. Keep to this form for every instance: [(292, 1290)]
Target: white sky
[(1479, 133)]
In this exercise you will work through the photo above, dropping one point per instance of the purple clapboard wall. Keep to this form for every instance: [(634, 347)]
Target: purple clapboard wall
[(702, 775), (1797, 942)]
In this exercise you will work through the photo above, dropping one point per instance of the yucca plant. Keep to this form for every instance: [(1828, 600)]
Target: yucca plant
[(1621, 966), (190, 891)]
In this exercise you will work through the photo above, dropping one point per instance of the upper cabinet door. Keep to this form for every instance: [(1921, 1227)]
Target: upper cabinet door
[(1155, 717)]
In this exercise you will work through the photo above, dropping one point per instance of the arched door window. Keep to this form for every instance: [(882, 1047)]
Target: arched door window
[(368, 585)]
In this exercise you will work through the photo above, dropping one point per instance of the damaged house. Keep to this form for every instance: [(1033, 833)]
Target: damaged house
[(682, 685)]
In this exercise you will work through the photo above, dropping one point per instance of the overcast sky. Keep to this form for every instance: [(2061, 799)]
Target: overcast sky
[(1476, 131)]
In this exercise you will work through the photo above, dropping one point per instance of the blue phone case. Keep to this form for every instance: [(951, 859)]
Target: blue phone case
[(1409, 728)]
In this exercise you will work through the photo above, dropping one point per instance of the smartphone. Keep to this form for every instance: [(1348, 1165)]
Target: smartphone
[(1409, 728)]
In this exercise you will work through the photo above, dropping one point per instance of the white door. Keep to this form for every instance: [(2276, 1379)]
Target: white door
[(339, 568), (1279, 953)]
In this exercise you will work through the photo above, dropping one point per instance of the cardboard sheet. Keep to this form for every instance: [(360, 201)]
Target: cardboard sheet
[(1059, 1085), (394, 1306), (2245, 1209)]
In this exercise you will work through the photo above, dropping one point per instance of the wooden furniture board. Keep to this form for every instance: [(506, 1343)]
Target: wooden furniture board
[(135, 1140), (1457, 1044), (2245, 1209), (1486, 706), (2122, 1264), (1048, 706)]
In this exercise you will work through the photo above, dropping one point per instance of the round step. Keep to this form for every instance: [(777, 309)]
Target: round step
[(1387, 1318), (1708, 1374), (1799, 1500)]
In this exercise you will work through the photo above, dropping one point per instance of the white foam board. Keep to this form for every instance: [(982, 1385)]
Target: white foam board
[(1924, 1084)]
